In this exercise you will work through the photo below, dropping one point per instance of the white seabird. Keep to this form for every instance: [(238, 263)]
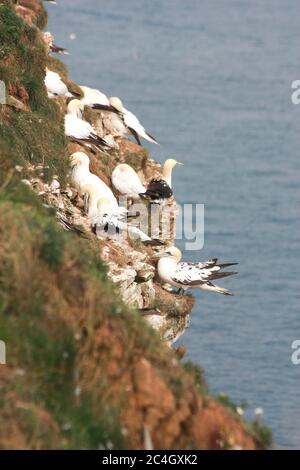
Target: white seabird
[(160, 189), (186, 275), (78, 129), (96, 99), (111, 221), (127, 123), (48, 39), (55, 86), (82, 177), (125, 179)]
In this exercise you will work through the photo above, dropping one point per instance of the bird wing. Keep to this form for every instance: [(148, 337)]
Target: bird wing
[(54, 84), (92, 97), (76, 127), (158, 189), (200, 273), (127, 182), (132, 122)]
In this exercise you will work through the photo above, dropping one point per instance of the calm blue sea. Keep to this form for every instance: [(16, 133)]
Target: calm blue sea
[(211, 80)]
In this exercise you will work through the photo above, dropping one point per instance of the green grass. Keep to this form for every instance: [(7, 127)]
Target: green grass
[(54, 285)]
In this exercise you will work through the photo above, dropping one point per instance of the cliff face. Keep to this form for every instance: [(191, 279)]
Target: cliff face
[(84, 368)]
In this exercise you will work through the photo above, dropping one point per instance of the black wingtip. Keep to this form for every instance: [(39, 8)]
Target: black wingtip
[(153, 138), (226, 265), (218, 275)]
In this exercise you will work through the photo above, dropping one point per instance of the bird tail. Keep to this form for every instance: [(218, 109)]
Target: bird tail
[(59, 50), (220, 275), (209, 286), (226, 265), (151, 138), (98, 141), (222, 290)]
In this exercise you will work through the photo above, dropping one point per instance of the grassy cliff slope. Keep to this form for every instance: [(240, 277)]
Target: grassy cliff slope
[(83, 369)]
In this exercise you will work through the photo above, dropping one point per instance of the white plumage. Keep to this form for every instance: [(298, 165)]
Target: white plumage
[(186, 275), (49, 41), (128, 123), (55, 86), (134, 125), (77, 128), (110, 221), (95, 99), (160, 189), (126, 181), (82, 177)]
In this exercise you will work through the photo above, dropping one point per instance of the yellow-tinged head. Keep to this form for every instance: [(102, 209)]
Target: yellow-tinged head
[(80, 158), (167, 170), (170, 163), (172, 253), (75, 107)]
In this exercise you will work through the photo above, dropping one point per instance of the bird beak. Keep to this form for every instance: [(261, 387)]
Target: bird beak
[(178, 163)]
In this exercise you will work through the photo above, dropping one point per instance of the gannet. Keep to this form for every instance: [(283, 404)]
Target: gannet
[(108, 220), (128, 123), (48, 39), (185, 275), (78, 129), (96, 99), (82, 177), (55, 86), (126, 181), (160, 189)]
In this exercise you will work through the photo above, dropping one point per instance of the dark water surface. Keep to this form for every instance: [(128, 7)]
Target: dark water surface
[(212, 81)]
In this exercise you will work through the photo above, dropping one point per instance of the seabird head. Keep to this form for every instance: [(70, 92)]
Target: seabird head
[(75, 107), (116, 103), (167, 170), (170, 163), (80, 158), (172, 253)]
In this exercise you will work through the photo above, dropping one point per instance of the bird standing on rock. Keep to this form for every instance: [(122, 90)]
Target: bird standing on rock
[(186, 275), (82, 177), (126, 180), (111, 221), (160, 189)]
